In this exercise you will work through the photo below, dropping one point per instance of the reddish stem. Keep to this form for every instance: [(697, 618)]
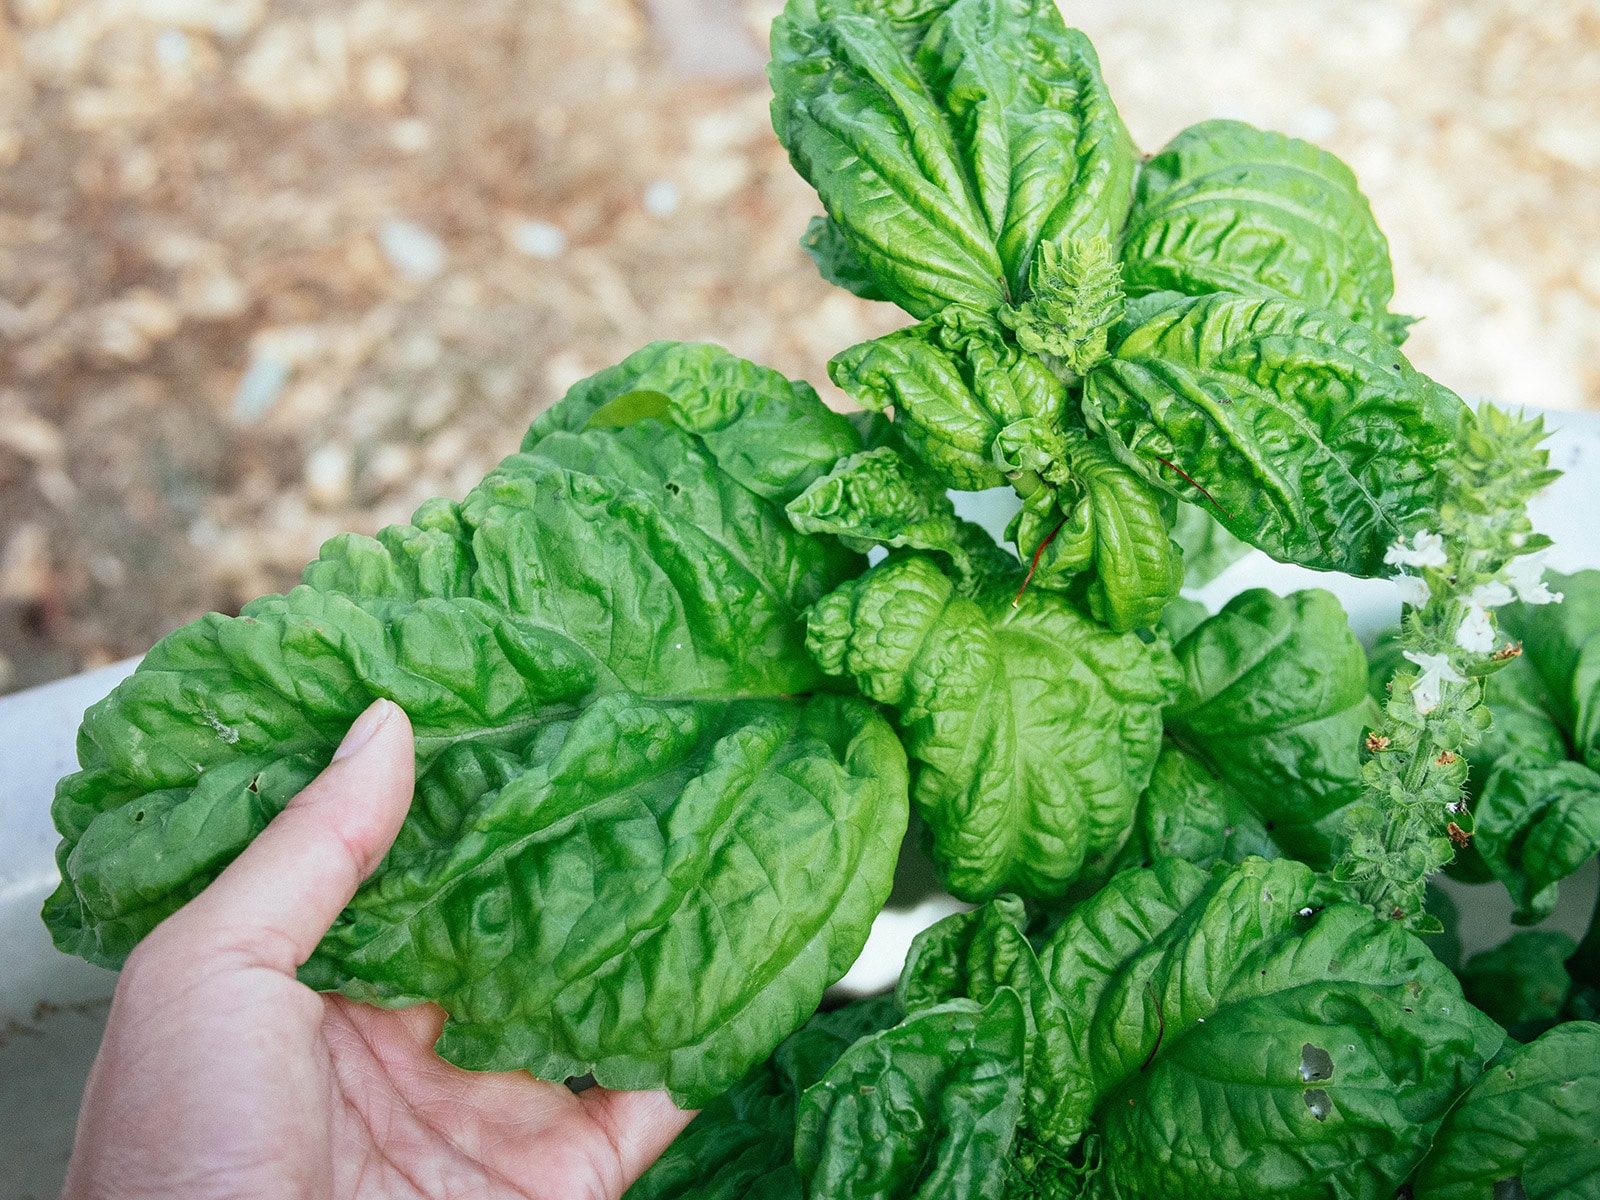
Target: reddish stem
[(1161, 1026), (1201, 490), (1034, 566)]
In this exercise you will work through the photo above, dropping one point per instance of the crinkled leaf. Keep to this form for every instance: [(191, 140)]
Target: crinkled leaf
[(1225, 207), (1529, 1129), (1191, 812), (1313, 436), (1536, 823), (879, 498), (1274, 700), (836, 262), (615, 752), (954, 383), (1522, 980), (741, 1145), (771, 434), (1033, 729), (1223, 1035), (1113, 531), (948, 140), (1303, 1056), (926, 1110)]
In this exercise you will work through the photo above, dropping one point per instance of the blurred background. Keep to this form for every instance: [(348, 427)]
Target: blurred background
[(271, 269)]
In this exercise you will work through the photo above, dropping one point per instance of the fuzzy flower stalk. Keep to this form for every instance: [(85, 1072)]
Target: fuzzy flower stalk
[(1482, 554)]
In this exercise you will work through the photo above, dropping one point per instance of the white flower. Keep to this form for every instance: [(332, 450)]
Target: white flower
[(1490, 595), (1476, 632), (1427, 550), (1428, 691), (1526, 577), (1414, 590)]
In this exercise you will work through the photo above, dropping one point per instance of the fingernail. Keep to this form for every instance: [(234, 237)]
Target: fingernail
[(364, 729)]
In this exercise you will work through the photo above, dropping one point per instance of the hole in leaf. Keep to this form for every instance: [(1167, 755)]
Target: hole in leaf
[(138, 816), (255, 784), (1318, 1102), (1316, 1064)]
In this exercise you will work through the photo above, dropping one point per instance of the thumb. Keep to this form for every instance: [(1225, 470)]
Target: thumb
[(274, 902)]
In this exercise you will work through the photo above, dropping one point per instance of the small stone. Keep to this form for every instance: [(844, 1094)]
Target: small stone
[(383, 80), (328, 476), (411, 135), (413, 250), (538, 239), (261, 384), (661, 198)]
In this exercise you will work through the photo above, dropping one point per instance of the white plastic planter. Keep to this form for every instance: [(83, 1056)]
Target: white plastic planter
[(52, 1007)]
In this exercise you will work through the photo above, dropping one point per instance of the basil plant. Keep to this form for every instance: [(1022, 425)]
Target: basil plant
[(694, 668)]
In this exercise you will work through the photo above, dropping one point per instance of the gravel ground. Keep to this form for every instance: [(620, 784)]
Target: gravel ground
[(272, 269)]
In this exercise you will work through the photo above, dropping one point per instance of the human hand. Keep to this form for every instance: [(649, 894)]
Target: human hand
[(221, 1075)]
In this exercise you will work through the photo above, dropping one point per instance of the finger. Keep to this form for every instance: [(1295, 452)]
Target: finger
[(638, 1125), (275, 901)]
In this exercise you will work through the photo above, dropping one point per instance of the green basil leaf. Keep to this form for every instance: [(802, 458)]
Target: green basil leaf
[(879, 498), (925, 1110), (1562, 642), (1521, 981), (1225, 207), (1223, 1034), (1191, 812), (1274, 700), (836, 262), (1527, 1129), (1033, 729), (1314, 438), (944, 160), (1536, 823), (773, 435), (954, 383), (1236, 1047), (615, 751), (741, 1145)]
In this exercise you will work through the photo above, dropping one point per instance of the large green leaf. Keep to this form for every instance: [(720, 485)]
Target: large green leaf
[(1225, 1035), (1529, 1130), (926, 1110), (948, 140), (1225, 207), (1033, 729), (601, 651), (1313, 437), (1274, 700), (741, 1145)]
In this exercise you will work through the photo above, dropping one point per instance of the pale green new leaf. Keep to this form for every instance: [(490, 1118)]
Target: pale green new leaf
[(1033, 729), (1225, 207), (954, 383), (1313, 437), (948, 140)]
